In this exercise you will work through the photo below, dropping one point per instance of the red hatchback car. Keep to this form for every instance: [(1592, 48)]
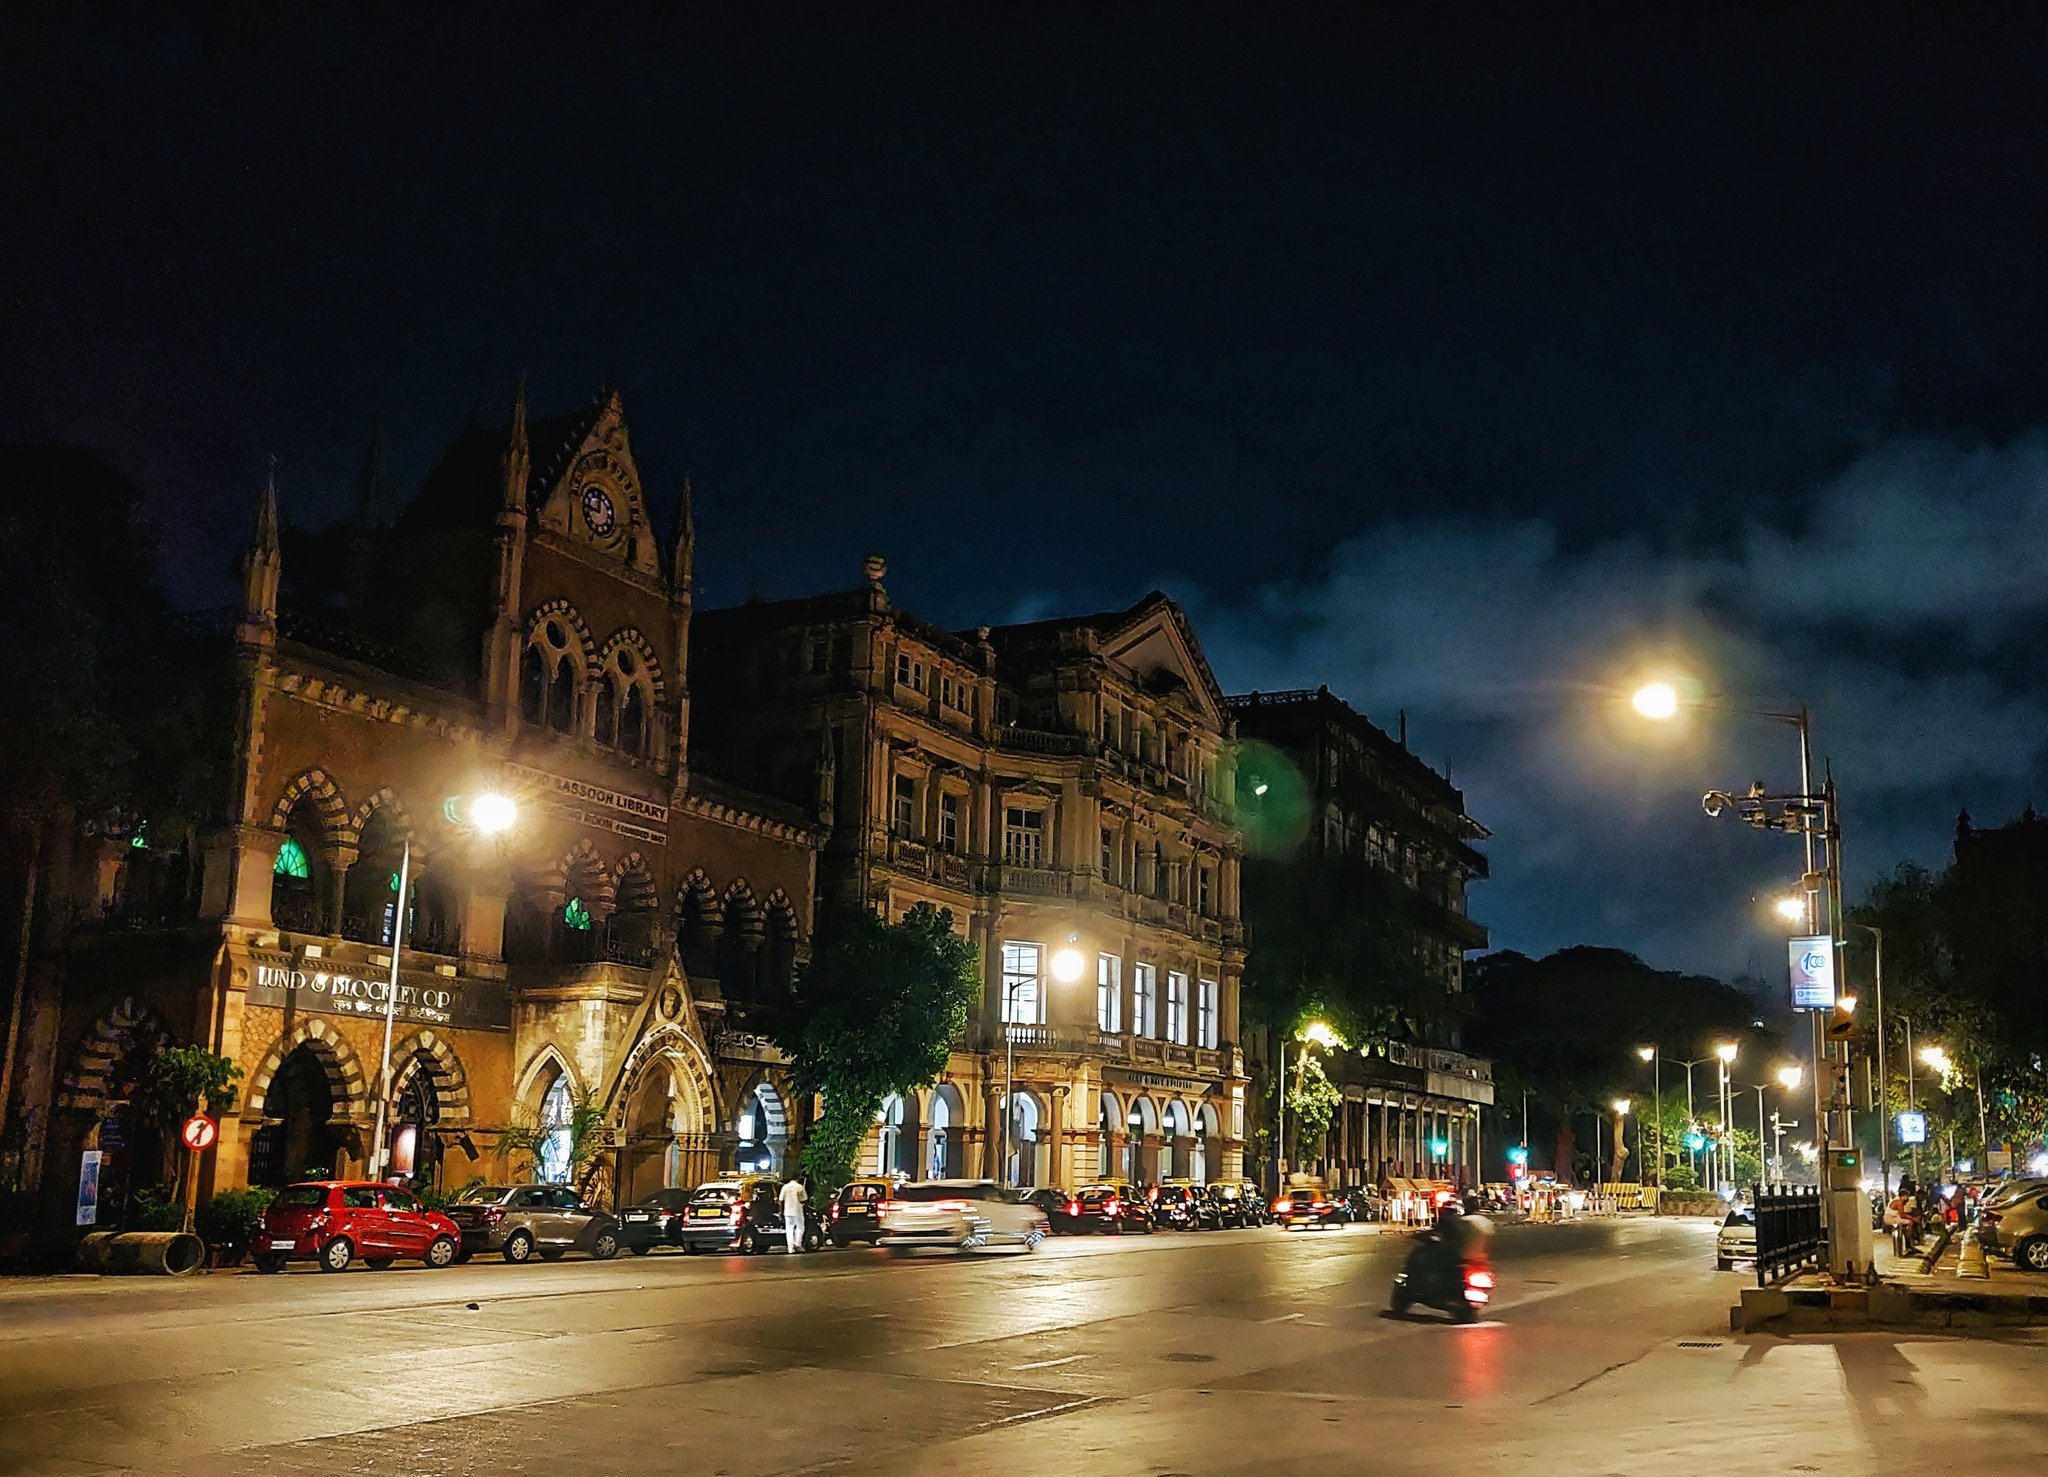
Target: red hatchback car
[(336, 1221)]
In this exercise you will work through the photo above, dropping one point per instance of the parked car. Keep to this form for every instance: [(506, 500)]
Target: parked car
[(1179, 1206), (520, 1222), (654, 1221), (1062, 1210), (335, 1221), (1305, 1208), (851, 1215), (743, 1213), (1112, 1208), (966, 1215), (1361, 1204), (2018, 1228), (1736, 1240), (1238, 1203)]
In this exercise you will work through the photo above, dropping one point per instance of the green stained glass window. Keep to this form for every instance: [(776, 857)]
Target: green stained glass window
[(576, 915), (291, 861), (140, 840)]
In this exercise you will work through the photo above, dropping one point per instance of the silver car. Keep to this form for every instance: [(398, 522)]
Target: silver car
[(1736, 1240), (963, 1215), (521, 1221)]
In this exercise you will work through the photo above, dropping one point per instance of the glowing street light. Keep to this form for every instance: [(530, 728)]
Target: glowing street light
[(1726, 1051), (1791, 1076), (1647, 1053), (1321, 1035), (493, 814), (1067, 965), (1658, 700), (1622, 1105), (1791, 909), (1315, 1033)]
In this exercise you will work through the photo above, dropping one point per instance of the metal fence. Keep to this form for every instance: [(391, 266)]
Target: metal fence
[(1789, 1238)]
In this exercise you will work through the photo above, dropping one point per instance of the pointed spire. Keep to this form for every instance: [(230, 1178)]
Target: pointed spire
[(516, 455), (683, 560), (266, 541)]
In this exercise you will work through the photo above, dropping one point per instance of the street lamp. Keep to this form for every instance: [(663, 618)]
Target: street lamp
[(1315, 1033), (1649, 1054), (1792, 909), (1656, 700), (1621, 1105), (488, 814), (1067, 965), (1726, 1171)]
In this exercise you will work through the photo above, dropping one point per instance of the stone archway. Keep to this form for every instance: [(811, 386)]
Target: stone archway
[(303, 1103), (761, 1129), (130, 1026), (338, 1060), (662, 1116)]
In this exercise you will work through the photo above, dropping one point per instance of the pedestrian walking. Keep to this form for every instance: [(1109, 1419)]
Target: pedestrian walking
[(793, 1198)]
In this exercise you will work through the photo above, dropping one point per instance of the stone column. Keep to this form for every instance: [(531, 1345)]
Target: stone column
[(339, 860), (1056, 1171)]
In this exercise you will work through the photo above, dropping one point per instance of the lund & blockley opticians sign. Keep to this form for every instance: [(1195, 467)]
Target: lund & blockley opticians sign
[(461, 1004)]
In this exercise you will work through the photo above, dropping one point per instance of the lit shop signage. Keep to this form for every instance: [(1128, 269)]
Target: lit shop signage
[(459, 1003)]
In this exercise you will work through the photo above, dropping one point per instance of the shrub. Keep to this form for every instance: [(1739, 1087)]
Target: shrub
[(155, 1208), (229, 1218)]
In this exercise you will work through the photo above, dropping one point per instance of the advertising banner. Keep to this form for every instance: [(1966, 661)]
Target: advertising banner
[(1813, 972), (89, 1187), (1912, 1128)]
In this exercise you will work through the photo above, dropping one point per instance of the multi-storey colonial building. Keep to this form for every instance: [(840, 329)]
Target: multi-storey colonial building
[(1411, 1103), (519, 630), (1064, 790)]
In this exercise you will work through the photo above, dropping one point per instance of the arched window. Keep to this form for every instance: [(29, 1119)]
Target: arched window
[(562, 700), (555, 1109), (533, 686), (607, 713), (577, 915), (292, 861), (633, 722)]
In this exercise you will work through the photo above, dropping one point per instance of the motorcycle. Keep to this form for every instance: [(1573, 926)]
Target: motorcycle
[(1437, 1276)]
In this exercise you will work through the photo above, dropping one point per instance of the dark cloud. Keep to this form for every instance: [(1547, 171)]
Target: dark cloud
[(1514, 656)]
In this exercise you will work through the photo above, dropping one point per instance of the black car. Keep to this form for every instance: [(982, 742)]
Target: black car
[(853, 1213), (1238, 1203), (1179, 1206), (1111, 1209), (1360, 1204), (1062, 1210), (743, 1214), (655, 1221)]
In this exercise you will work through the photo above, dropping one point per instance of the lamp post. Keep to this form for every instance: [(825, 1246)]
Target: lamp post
[(1067, 965), (485, 815), (1698, 1061), (1725, 1168), (1621, 1106), (1315, 1033), (1884, 1116), (1649, 1054)]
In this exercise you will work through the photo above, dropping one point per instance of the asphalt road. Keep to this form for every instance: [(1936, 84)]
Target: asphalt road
[(1252, 1351)]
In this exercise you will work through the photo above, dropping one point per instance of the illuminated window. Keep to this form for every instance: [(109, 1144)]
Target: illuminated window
[(1144, 989), (1177, 1007), (292, 862), (576, 915), (1023, 836), (1109, 992), (1205, 1013), (1023, 1000), (949, 822)]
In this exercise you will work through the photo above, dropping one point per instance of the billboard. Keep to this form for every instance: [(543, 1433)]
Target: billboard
[(1912, 1128), (1813, 972)]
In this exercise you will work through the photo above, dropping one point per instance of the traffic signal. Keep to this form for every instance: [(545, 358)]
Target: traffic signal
[(1439, 1148), (1842, 1019), (1695, 1141), (1519, 1155)]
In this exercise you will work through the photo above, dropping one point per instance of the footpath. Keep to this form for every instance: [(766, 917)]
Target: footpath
[(1952, 1286)]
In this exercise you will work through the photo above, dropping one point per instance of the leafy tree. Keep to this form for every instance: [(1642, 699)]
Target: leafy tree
[(876, 1011), (1312, 1101), (176, 1080), (532, 1139)]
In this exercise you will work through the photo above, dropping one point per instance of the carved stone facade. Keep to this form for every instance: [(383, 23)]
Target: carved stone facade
[(516, 631), (1062, 789)]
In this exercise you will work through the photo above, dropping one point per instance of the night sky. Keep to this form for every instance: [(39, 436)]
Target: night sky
[(1473, 364)]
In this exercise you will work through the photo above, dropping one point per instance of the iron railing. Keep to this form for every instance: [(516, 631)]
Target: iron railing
[(1789, 1237)]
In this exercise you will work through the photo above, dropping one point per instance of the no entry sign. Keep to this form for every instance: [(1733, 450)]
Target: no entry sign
[(199, 1132)]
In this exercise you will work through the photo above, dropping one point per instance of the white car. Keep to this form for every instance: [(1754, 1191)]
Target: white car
[(963, 1215), (1736, 1240)]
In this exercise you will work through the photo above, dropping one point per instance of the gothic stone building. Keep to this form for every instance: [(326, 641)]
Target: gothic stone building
[(1064, 790), (1410, 1110), (517, 630)]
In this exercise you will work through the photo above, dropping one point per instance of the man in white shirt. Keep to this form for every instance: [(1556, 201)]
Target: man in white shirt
[(793, 1198)]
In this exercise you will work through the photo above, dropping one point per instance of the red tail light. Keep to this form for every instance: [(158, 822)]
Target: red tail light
[(835, 1210), (1280, 1206), (949, 1205), (1073, 1207), (1112, 1205), (1481, 1279), (739, 1213), (888, 1205), (490, 1215)]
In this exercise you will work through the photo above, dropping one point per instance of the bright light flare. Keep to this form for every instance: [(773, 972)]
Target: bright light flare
[(1622, 1105), (1656, 700), (493, 814), (1647, 1053), (1791, 1077), (1726, 1051), (1791, 909), (1067, 965), (1321, 1035)]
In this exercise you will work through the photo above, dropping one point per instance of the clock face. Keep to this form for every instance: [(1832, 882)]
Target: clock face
[(597, 510)]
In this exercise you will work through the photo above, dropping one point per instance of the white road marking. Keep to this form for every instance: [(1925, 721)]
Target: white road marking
[(1284, 1318), (1050, 1363)]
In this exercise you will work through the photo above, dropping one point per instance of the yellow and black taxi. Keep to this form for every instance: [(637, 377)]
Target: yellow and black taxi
[(853, 1214), (1305, 1205), (716, 1217), (1111, 1208)]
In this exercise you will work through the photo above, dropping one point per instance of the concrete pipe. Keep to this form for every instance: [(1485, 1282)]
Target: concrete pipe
[(171, 1253)]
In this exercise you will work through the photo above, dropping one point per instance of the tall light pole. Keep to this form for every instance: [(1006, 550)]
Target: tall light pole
[(1649, 1054), (1621, 1106), (1067, 965), (1315, 1033), (1884, 1112), (1726, 1052), (485, 815)]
